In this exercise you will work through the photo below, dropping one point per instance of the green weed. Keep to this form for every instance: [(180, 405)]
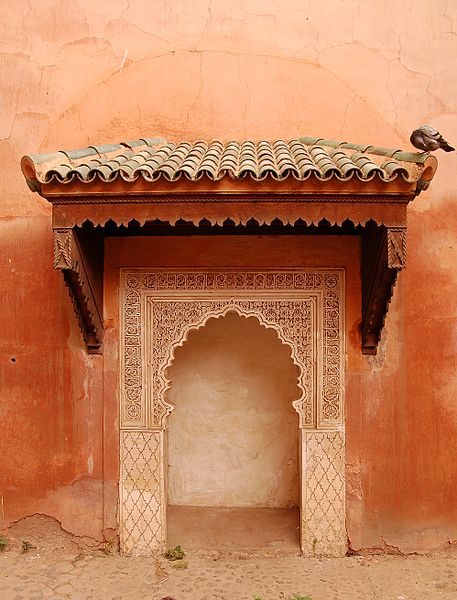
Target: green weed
[(176, 553)]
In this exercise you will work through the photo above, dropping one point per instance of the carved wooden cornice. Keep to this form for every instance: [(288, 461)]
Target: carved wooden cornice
[(392, 214)]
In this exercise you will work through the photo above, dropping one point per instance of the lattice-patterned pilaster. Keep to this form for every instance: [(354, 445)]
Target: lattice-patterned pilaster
[(141, 493), (323, 503)]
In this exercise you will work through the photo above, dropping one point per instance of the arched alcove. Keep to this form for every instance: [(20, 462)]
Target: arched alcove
[(233, 460)]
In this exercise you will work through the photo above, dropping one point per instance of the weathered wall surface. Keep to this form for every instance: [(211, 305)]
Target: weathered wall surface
[(78, 73), (233, 438)]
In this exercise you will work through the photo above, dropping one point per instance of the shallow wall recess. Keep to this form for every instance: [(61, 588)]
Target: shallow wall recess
[(233, 436)]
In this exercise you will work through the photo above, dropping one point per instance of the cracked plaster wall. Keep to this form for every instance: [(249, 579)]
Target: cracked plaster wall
[(364, 71)]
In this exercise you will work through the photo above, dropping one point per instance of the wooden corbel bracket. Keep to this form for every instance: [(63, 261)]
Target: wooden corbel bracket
[(383, 256), (80, 259)]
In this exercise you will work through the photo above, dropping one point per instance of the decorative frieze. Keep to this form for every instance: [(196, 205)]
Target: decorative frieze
[(170, 321)]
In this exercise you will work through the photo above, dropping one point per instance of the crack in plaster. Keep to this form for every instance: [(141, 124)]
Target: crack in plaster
[(264, 55), (205, 26), (383, 548), (192, 107), (359, 14), (353, 99), (237, 55), (126, 9), (15, 115)]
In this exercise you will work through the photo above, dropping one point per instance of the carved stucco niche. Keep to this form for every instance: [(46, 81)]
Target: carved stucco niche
[(159, 309)]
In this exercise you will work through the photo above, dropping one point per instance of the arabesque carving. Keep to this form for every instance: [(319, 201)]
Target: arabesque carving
[(171, 322)]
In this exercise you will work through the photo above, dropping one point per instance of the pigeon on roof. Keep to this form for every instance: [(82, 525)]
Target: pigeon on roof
[(427, 138)]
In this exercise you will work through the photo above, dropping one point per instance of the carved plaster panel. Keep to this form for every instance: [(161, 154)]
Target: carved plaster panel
[(170, 321), (272, 297), (323, 502), (142, 526)]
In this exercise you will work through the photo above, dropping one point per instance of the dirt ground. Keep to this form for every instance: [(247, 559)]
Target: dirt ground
[(60, 567)]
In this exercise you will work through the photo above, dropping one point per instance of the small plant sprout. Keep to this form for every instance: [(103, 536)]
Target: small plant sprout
[(3, 543), (110, 546), (176, 553), (27, 546)]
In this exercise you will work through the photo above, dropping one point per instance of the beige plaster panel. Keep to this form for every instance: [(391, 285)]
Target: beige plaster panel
[(233, 436)]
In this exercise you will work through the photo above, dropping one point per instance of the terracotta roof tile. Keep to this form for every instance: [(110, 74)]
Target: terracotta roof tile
[(155, 158)]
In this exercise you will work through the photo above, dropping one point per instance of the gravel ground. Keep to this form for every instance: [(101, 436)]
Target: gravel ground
[(60, 567)]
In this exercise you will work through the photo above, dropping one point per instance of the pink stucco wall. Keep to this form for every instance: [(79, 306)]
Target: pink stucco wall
[(81, 73)]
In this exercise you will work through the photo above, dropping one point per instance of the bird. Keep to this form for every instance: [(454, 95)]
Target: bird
[(427, 138)]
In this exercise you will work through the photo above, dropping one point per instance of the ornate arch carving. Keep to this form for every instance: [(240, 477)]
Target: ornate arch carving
[(174, 302), (232, 307)]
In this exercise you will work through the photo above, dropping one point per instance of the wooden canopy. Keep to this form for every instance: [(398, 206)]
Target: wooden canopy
[(307, 180)]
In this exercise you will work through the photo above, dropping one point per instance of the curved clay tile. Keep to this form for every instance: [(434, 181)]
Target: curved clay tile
[(299, 158)]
